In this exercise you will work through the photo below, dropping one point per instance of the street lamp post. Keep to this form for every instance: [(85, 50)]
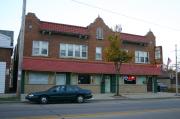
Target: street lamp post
[(176, 71)]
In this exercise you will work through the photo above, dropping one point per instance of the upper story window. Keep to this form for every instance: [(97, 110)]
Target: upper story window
[(84, 51), (73, 51), (77, 50), (157, 53), (98, 53), (63, 50), (40, 48), (70, 50), (141, 57), (99, 33)]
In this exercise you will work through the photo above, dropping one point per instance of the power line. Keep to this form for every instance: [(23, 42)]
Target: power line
[(123, 15)]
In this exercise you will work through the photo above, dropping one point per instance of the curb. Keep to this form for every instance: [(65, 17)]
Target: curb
[(2, 102), (126, 98), (115, 99)]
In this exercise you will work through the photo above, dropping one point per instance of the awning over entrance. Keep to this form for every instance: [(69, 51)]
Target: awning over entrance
[(76, 66)]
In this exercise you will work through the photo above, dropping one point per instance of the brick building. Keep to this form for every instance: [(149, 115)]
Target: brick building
[(56, 54), (6, 50)]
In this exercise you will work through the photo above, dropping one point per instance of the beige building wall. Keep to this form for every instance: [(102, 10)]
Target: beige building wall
[(93, 88), (36, 88), (132, 88)]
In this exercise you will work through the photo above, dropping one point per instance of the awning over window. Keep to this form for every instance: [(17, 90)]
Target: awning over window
[(55, 65)]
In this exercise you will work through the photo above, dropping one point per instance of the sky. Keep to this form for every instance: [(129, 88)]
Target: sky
[(162, 17)]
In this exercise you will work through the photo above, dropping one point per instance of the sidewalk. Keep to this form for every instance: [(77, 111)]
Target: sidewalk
[(103, 97), (9, 98), (135, 96)]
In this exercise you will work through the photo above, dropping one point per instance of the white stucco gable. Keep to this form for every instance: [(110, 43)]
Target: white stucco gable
[(5, 41)]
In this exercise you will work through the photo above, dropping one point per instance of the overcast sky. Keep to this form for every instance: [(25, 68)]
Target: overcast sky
[(162, 17)]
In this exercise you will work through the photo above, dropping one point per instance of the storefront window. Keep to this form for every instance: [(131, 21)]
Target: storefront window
[(84, 79), (97, 79), (129, 79), (38, 78)]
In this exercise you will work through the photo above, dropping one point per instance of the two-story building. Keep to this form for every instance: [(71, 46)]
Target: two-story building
[(58, 54), (6, 50)]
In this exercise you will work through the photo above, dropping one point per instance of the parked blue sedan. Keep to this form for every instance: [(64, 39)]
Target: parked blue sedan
[(60, 93)]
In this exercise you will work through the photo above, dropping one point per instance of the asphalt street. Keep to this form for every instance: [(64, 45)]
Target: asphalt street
[(117, 109)]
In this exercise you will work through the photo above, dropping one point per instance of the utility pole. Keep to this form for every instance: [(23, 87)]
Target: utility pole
[(176, 71), (20, 49)]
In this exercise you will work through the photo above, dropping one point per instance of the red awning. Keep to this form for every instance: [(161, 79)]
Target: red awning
[(55, 65)]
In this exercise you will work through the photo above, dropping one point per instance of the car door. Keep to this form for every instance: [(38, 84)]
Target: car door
[(61, 92), (57, 93), (53, 93), (71, 92)]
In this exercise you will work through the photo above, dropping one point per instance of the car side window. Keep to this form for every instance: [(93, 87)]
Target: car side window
[(71, 89), (53, 89), (61, 89)]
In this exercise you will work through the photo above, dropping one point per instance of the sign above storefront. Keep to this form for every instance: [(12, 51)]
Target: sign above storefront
[(129, 78)]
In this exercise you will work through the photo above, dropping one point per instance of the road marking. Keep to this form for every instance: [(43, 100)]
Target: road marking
[(101, 114), (119, 113)]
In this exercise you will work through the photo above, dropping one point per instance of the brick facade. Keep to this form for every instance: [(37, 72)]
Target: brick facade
[(33, 32), (55, 34)]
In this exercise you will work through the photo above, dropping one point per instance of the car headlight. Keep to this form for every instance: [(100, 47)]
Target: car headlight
[(30, 95)]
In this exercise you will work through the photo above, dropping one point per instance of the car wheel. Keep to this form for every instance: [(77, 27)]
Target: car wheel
[(43, 100), (80, 99)]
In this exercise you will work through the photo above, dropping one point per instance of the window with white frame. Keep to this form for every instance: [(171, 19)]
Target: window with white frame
[(77, 50), (99, 33), (157, 53), (70, 50), (84, 51), (98, 53), (73, 51), (141, 57), (40, 48), (62, 49), (38, 78)]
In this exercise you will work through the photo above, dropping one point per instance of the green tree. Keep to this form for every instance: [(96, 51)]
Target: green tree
[(115, 54)]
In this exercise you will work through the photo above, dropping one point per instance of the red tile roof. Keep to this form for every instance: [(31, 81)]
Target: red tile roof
[(134, 38), (63, 28), (53, 65)]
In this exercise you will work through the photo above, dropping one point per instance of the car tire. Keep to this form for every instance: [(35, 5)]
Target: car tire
[(80, 99), (43, 100)]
